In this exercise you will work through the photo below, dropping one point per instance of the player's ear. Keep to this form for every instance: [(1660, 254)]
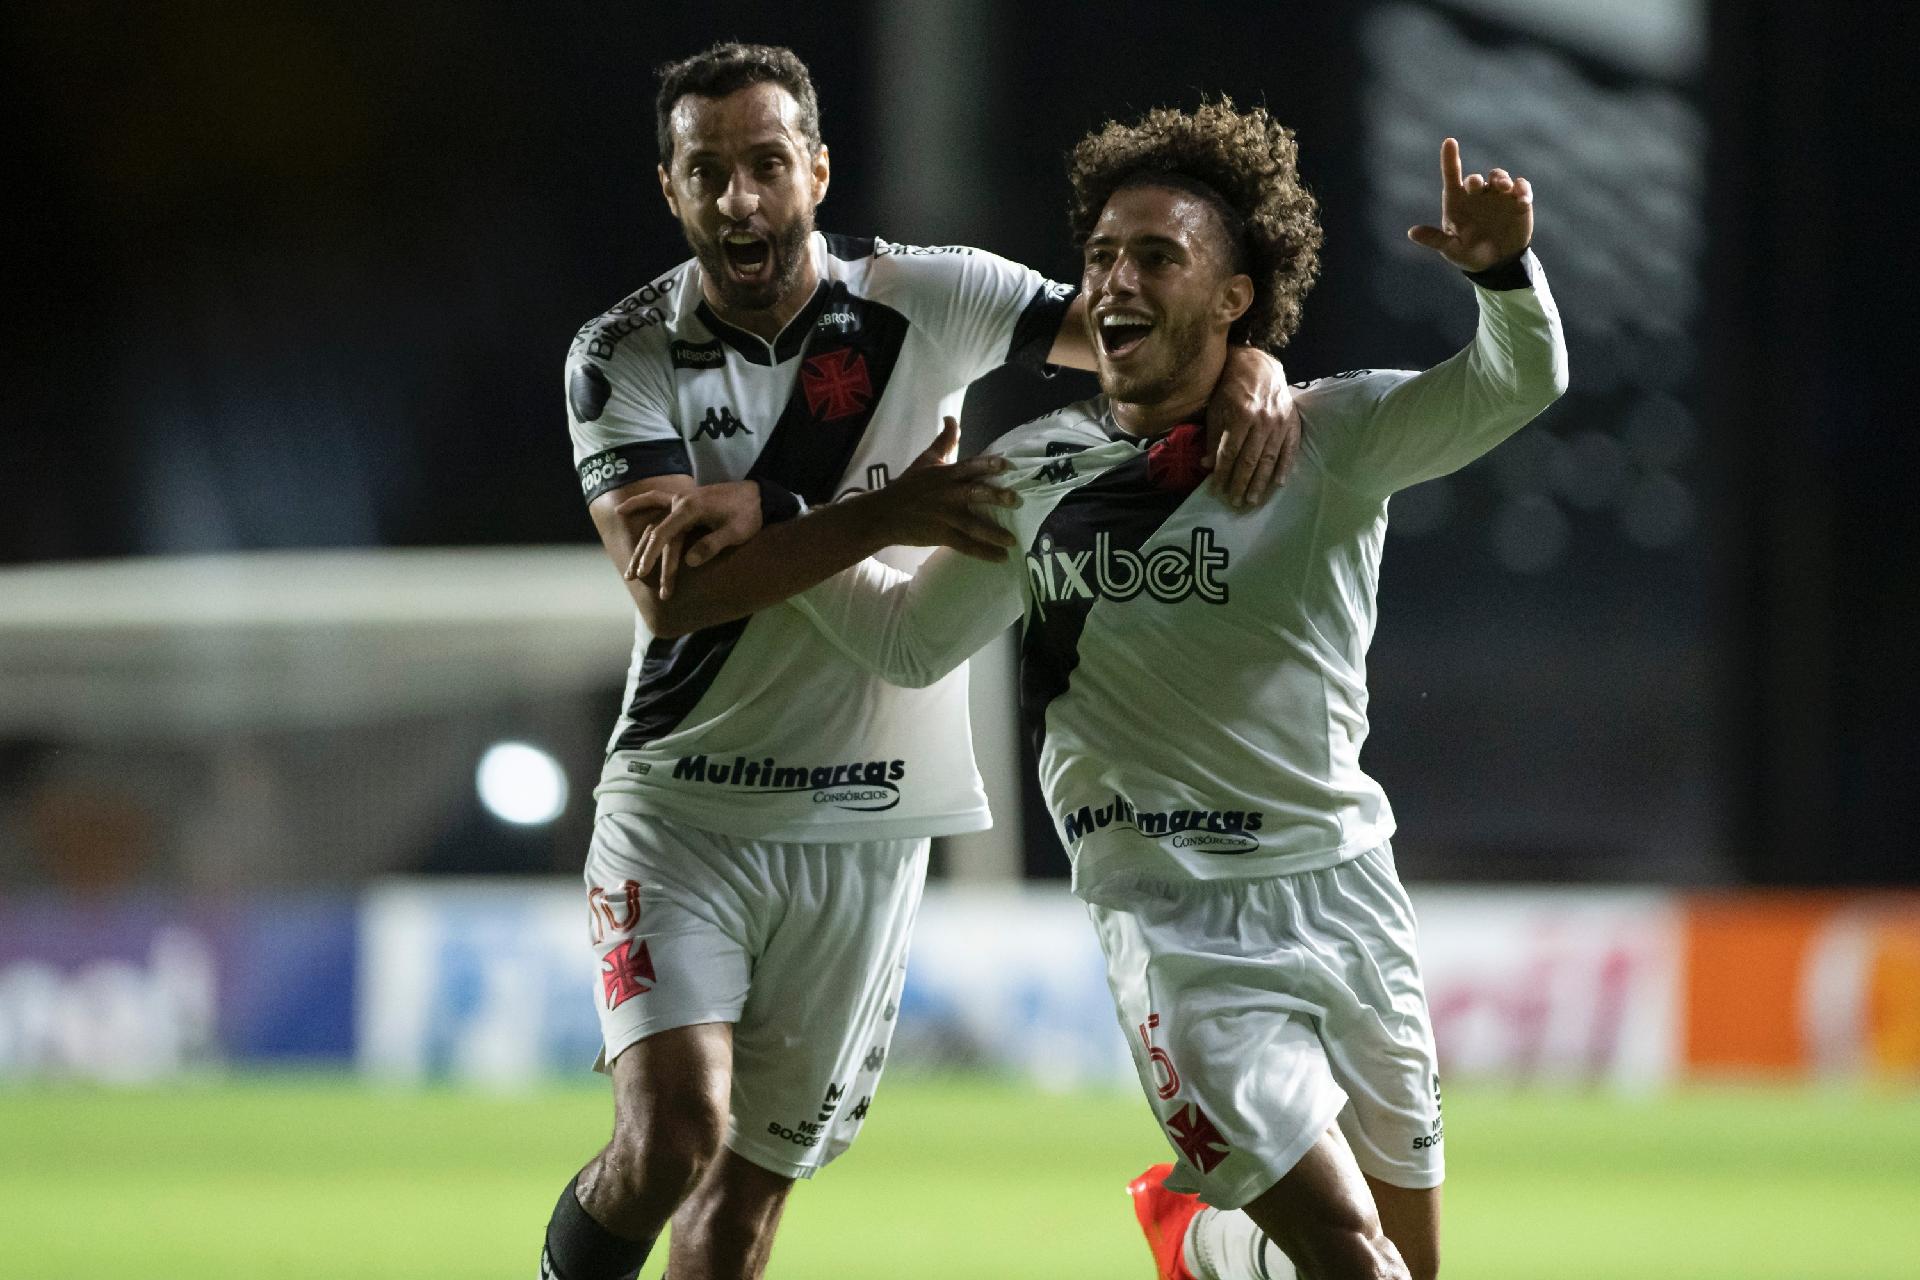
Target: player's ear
[(1235, 296), (666, 189), (822, 172)]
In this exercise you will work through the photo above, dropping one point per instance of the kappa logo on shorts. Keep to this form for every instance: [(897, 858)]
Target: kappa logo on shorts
[(626, 972), (1199, 1141)]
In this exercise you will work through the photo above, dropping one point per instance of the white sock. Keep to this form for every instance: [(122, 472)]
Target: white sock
[(1225, 1244)]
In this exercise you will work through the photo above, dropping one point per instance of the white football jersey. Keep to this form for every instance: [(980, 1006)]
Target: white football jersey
[(1194, 676), (759, 727)]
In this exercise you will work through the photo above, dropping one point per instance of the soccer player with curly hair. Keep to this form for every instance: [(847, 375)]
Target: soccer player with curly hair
[(1195, 678)]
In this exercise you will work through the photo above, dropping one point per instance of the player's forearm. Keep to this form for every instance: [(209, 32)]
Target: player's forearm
[(911, 630), (779, 562), (1444, 418), (1518, 359), (1073, 344)]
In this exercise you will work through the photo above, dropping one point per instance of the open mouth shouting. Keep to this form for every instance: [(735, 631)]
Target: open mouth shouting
[(748, 255), (1122, 331)]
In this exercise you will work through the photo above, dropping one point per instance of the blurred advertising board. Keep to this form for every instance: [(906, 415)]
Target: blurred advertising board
[(1553, 985), (483, 981), (1795, 984), (490, 982), (134, 987)]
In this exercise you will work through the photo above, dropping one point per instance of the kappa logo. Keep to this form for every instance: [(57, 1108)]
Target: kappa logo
[(1199, 1140), (1168, 573), (1056, 472), (720, 424), (626, 972), (836, 384)]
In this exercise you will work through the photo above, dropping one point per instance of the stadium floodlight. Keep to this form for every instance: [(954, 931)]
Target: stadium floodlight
[(521, 784)]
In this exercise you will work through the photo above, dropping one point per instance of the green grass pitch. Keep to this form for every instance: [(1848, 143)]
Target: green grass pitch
[(298, 1179)]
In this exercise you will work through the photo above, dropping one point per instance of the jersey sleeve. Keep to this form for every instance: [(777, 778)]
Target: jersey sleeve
[(1379, 431), (912, 629), (621, 418), (981, 309)]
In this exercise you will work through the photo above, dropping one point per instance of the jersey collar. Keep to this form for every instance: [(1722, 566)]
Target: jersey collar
[(757, 350), (1114, 431)]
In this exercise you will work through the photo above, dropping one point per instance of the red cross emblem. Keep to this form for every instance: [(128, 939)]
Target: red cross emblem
[(1178, 461), (1197, 1139), (836, 384), (626, 972)]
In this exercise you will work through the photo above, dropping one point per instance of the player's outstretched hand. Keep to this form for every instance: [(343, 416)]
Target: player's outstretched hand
[(941, 503), (729, 512), (1484, 220), (1253, 428)]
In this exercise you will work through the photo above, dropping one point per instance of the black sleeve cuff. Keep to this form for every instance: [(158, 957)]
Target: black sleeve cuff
[(776, 504), (625, 463), (1515, 273), (1039, 325)]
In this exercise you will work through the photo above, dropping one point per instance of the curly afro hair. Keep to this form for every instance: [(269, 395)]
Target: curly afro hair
[(1245, 164)]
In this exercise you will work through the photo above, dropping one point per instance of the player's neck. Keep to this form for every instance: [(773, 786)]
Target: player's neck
[(1186, 402), (765, 323), (1138, 419)]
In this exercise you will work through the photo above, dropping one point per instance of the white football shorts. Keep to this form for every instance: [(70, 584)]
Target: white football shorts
[(802, 947), (1261, 1012)]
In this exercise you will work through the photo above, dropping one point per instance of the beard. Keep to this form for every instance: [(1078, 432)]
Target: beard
[(1181, 346), (787, 247)]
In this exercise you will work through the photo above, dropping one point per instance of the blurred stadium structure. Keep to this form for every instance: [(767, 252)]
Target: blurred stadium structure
[(1643, 694)]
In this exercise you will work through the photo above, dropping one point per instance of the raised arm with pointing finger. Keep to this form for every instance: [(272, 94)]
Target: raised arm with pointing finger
[(1372, 432)]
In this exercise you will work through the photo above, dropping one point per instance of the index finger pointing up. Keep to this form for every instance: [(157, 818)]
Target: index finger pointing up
[(1450, 165)]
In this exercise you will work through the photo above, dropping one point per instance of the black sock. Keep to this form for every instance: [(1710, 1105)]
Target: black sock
[(578, 1248)]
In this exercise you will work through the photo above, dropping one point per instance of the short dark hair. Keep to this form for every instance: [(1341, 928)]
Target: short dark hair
[(1244, 165), (730, 66)]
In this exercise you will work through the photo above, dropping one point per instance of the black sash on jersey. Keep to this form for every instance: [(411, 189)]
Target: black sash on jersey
[(848, 355), (1129, 502)]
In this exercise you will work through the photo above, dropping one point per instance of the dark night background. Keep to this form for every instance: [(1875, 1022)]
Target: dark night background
[(299, 275)]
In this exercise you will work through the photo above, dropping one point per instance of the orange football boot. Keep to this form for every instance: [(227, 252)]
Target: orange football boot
[(1164, 1216)]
